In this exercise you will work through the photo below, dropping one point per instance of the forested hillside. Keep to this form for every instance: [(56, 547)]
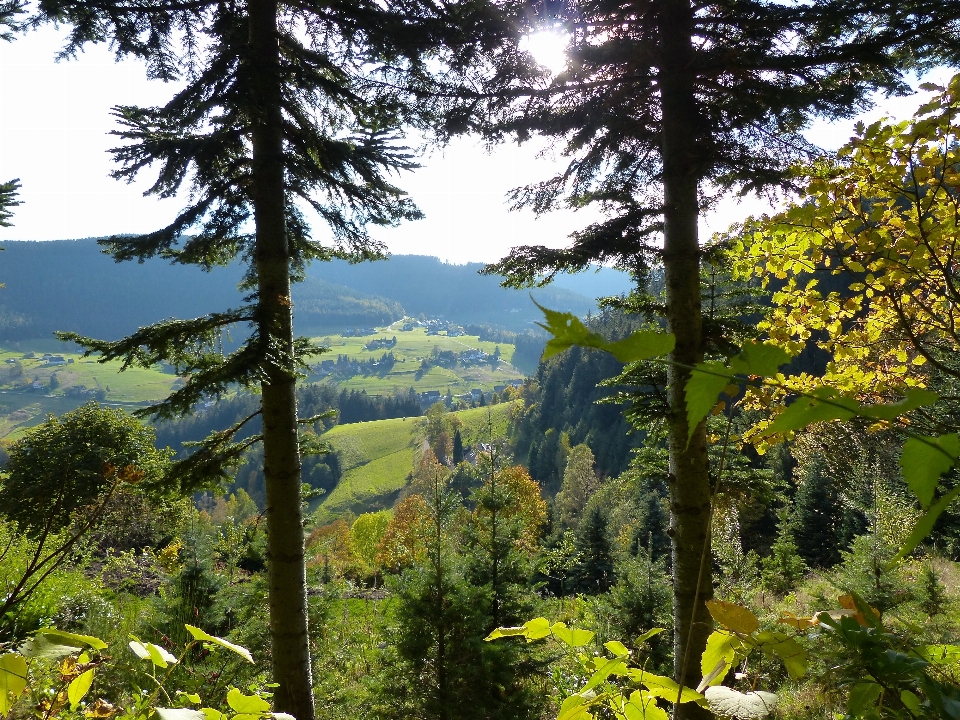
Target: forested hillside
[(72, 285)]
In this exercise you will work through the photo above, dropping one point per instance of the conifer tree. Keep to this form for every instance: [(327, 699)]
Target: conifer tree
[(457, 447), (664, 105), (818, 517), (579, 484), (285, 105)]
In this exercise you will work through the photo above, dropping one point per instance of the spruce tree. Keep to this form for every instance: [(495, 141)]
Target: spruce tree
[(286, 107), (457, 447), (8, 200), (818, 517), (665, 105)]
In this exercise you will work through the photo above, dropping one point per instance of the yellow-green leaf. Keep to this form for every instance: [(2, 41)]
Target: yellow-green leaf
[(574, 708), (790, 652), (733, 617), (199, 634), (719, 653), (13, 680), (79, 686), (617, 648), (571, 636), (247, 704)]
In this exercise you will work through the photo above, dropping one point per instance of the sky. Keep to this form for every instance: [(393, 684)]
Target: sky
[(55, 128)]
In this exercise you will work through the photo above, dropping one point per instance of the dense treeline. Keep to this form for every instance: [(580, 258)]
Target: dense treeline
[(564, 409), (49, 287)]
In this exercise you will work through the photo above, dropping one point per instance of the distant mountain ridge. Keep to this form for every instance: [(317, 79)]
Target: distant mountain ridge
[(71, 285)]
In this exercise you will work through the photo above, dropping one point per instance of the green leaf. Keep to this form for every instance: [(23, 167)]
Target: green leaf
[(790, 652), (617, 648), (923, 463), (13, 680), (574, 708), (708, 379), (247, 704), (729, 703), (862, 697), (719, 653), (641, 345), (571, 636), (567, 330), (614, 666), (199, 634), (701, 392), (154, 653), (649, 634), (826, 405), (939, 654), (913, 398), (760, 359), (910, 701), (925, 524), (665, 687), (79, 686), (209, 714)]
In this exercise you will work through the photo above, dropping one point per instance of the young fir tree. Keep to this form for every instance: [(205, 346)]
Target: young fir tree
[(445, 669), (284, 104), (663, 106), (818, 517), (457, 447)]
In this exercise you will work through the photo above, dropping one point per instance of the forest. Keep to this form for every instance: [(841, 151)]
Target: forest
[(727, 491)]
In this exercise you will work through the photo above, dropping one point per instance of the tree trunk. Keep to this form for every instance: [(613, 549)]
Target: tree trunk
[(289, 635), (682, 153)]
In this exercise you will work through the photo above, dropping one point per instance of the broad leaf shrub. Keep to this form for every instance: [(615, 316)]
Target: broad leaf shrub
[(53, 676), (883, 677), (888, 677)]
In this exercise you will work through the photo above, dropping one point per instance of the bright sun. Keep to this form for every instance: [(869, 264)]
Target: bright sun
[(547, 48)]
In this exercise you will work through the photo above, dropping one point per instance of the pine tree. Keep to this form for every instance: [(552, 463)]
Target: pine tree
[(284, 104), (665, 104)]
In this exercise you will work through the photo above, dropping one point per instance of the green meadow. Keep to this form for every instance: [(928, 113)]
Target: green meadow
[(411, 348), (22, 405), (377, 458)]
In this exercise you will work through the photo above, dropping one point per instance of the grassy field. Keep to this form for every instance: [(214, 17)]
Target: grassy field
[(377, 457), (22, 405), (411, 348)]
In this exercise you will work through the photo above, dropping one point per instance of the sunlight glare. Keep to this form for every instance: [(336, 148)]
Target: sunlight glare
[(547, 48)]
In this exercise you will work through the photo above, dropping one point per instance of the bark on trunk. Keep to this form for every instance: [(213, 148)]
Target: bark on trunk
[(281, 457), (682, 154)]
